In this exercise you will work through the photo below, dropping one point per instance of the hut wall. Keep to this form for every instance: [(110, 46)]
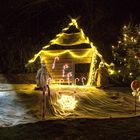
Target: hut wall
[(66, 58)]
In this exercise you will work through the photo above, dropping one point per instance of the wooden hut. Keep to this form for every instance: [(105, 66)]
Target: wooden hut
[(70, 57)]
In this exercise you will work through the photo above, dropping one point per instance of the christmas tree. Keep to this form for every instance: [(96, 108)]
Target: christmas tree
[(127, 53)]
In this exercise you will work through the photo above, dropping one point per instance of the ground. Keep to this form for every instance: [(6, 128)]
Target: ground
[(75, 129), (99, 114)]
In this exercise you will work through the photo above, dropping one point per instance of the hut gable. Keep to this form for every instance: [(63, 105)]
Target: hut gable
[(69, 56)]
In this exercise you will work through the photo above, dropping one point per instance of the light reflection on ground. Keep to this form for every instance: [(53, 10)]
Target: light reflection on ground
[(20, 103), (15, 108)]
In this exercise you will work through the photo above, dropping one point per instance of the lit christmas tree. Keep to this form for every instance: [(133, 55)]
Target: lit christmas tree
[(127, 53)]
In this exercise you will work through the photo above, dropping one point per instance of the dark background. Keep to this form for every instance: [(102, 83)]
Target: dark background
[(27, 25)]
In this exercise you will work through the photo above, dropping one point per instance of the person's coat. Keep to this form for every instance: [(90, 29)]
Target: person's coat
[(42, 77), (101, 77)]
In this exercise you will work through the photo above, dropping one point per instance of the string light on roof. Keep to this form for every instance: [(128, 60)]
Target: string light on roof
[(53, 41)]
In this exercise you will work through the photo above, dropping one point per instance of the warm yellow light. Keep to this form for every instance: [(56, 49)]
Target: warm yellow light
[(130, 73), (35, 57), (58, 54), (125, 39), (68, 51), (113, 47), (119, 71), (67, 102), (135, 41), (111, 72), (124, 59), (92, 50), (47, 46), (124, 26), (65, 29), (91, 71), (74, 22), (82, 32), (125, 35)]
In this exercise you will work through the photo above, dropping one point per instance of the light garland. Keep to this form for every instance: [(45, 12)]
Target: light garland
[(64, 52), (92, 50), (74, 23)]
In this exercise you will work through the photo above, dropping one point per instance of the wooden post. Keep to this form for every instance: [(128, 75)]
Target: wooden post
[(135, 105), (43, 103), (46, 91)]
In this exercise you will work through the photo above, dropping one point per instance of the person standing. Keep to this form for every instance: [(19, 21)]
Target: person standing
[(101, 76), (42, 76)]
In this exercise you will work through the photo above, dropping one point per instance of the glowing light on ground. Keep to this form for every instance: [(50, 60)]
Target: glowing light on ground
[(67, 103)]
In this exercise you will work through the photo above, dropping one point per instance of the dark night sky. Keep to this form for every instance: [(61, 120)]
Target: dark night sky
[(36, 17), (39, 14), (35, 22)]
